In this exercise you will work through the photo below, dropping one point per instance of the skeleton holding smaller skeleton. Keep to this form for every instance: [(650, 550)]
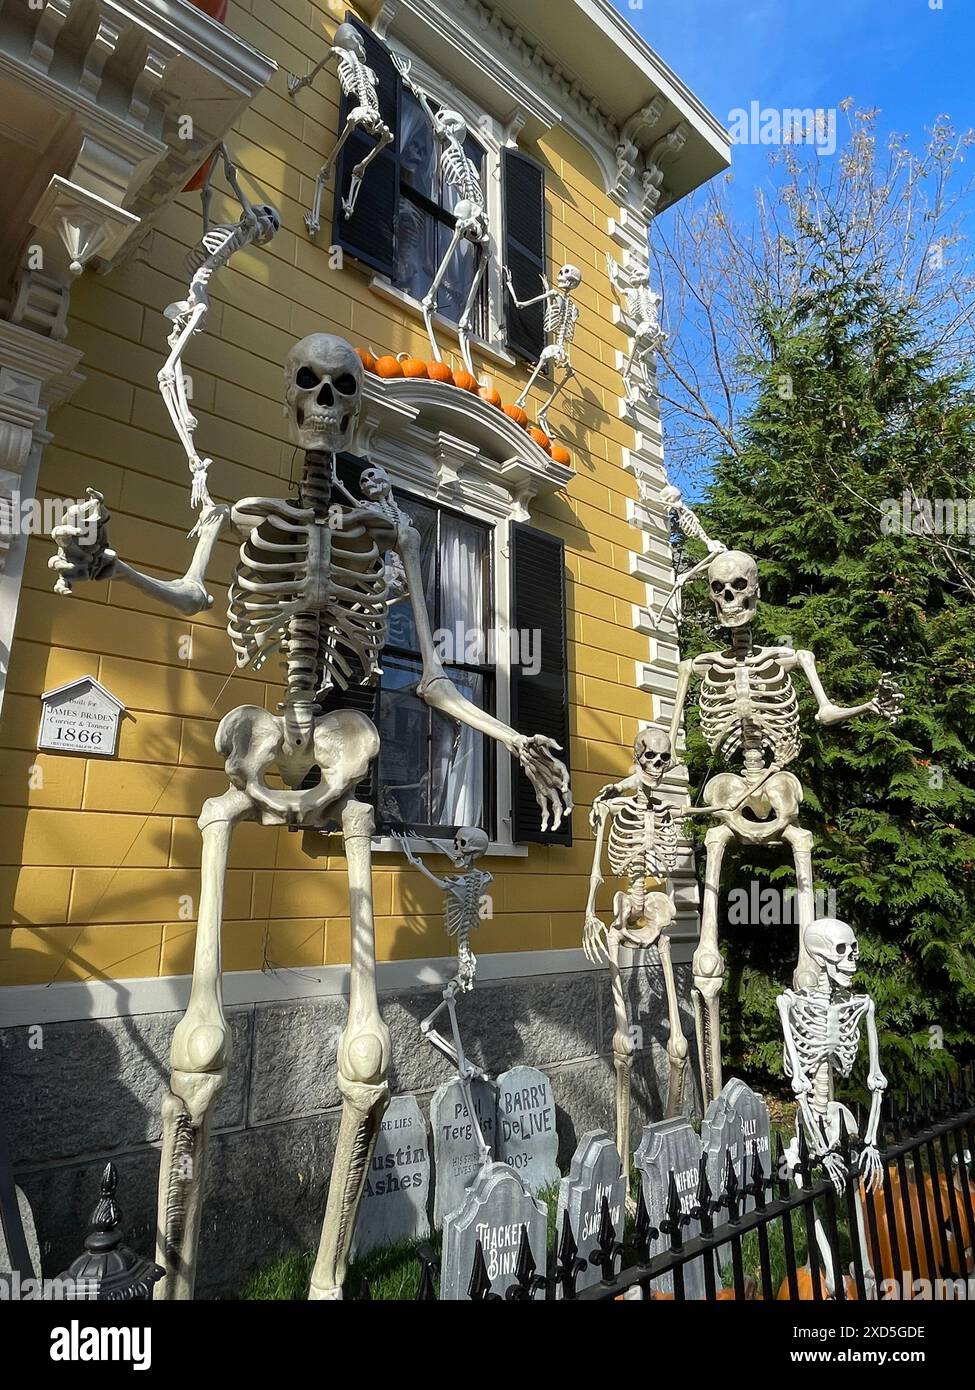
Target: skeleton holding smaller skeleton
[(639, 832), (360, 84), (639, 304), (463, 894), (458, 172), (561, 318), (821, 1026)]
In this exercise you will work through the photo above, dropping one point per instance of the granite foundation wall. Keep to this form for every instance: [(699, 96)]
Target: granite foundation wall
[(78, 1093)]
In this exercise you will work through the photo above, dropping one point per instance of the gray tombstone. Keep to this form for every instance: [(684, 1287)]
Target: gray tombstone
[(493, 1211), (756, 1132), (595, 1172), (527, 1137), (721, 1135), (396, 1198), (456, 1157), (671, 1146)]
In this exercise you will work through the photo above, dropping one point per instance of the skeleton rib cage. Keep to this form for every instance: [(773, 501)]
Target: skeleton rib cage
[(750, 705), (357, 80), (826, 1034), (458, 171), (561, 317), (642, 841), (309, 592)]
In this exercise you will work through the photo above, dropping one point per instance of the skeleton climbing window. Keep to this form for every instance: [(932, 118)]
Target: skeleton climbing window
[(425, 220), (433, 774)]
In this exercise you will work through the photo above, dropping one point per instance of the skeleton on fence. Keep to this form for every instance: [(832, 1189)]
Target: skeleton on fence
[(310, 585), (640, 305), (821, 1025), (360, 84), (463, 896), (639, 833), (561, 318), (471, 225)]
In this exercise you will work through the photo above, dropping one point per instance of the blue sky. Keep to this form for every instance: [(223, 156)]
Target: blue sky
[(912, 61)]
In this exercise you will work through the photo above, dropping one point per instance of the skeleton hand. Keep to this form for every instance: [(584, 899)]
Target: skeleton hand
[(82, 542), (888, 700), (405, 846), (548, 776), (604, 794), (835, 1170), (871, 1168), (594, 940)]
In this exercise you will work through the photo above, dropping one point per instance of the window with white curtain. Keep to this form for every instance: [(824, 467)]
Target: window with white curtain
[(434, 774)]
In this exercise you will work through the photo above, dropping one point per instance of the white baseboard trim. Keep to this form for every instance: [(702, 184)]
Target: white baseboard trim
[(23, 1005)]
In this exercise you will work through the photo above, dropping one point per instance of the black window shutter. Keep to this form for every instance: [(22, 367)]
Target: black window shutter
[(539, 703), (370, 234), (523, 190)]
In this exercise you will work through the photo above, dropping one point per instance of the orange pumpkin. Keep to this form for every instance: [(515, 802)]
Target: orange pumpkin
[(367, 359), (804, 1286), (540, 437), (389, 366), (464, 380), (439, 371), (413, 367), (885, 1259), (561, 454), (516, 413), (490, 394)]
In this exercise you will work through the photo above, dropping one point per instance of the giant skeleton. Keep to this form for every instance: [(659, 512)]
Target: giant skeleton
[(360, 85), (749, 716), (639, 833), (561, 315), (821, 1026), (310, 584)]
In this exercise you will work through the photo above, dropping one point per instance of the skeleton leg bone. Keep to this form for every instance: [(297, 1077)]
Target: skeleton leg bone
[(463, 323), (676, 1042), (708, 967), (200, 1057), (623, 1048), (429, 302), (359, 173), (454, 1052), (313, 218), (543, 420), (363, 1059), (801, 842)]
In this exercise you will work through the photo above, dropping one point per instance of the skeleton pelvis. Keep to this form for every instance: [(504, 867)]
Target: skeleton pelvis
[(762, 814), (343, 744), (640, 929)]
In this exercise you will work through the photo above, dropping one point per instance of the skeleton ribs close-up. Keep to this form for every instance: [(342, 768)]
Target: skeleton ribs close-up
[(311, 585)]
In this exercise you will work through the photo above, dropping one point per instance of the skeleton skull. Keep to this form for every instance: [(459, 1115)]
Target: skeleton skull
[(569, 278), (652, 753), (374, 483), (452, 125), (348, 38), (733, 577), (469, 844), (834, 947), (323, 375)]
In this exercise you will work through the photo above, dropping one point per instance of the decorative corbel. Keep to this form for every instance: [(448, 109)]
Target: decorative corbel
[(86, 224)]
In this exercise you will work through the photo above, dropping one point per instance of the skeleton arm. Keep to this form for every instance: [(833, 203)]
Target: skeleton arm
[(84, 554), (418, 863), (594, 932), (547, 294), (685, 673), (870, 1164), (801, 1084), (887, 701), (536, 753)]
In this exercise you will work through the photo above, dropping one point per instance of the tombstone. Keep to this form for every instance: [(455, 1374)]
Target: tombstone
[(721, 1135), (671, 1146), (756, 1132), (493, 1211), (396, 1197), (595, 1172), (456, 1157), (527, 1137)]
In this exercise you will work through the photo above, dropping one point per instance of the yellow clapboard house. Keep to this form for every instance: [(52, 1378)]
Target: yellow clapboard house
[(541, 556)]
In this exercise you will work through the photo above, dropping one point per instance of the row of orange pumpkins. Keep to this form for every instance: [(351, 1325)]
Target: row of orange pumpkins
[(404, 365)]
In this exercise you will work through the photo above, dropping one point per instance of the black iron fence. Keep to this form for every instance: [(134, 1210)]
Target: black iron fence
[(766, 1236)]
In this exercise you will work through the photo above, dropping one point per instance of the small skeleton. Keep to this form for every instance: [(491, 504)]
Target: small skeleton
[(749, 711), (462, 913), (641, 845), (640, 306), (561, 317), (360, 84), (257, 225), (821, 1027), (311, 584), (471, 224)]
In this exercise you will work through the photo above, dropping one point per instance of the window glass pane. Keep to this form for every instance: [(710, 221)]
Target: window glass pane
[(417, 255), (402, 629), (458, 761), (463, 574), (419, 155), (404, 721), (458, 279)]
